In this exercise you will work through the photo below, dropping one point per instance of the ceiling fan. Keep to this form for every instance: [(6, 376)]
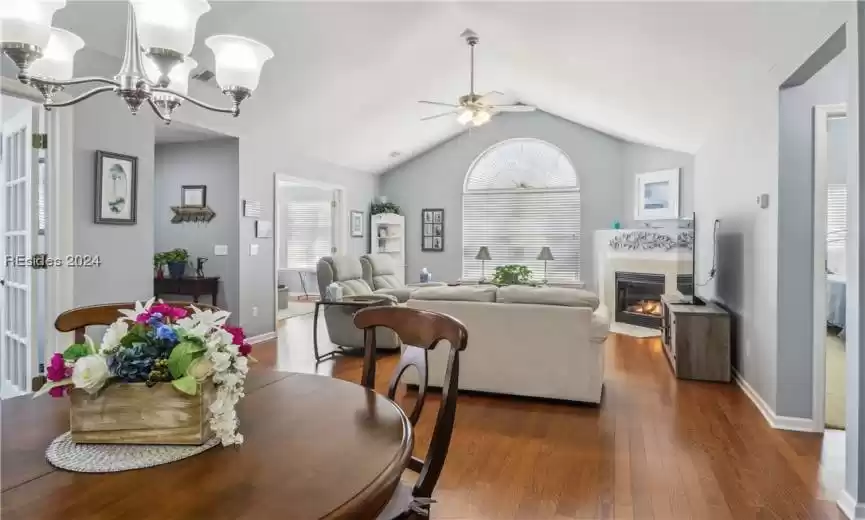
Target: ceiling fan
[(474, 108)]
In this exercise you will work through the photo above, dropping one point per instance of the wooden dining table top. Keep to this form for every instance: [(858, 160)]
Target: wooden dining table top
[(315, 447)]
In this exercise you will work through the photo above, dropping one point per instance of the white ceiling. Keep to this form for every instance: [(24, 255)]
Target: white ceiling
[(179, 132), (344, 84)]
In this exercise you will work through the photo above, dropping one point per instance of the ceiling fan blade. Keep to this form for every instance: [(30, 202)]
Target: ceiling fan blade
[(492, 93), (452, 112), (437, 103), (514, 108)]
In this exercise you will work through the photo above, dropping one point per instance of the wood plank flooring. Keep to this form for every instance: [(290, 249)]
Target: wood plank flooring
[(656, 448)]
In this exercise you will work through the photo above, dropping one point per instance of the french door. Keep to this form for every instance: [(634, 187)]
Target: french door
[(19, 227)]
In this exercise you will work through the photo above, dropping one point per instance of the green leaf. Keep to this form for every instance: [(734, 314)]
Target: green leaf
[(52, 384), (73, 352), (181, 357), (186, 384)]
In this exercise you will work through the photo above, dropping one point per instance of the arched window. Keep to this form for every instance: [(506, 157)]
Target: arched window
[(519, 196)]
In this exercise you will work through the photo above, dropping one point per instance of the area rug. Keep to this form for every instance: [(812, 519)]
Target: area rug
[(835, 382), (634, 331)]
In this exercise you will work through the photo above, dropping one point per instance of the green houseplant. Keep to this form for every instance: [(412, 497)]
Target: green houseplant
[(384, 207), (512, 274), (176, 260)]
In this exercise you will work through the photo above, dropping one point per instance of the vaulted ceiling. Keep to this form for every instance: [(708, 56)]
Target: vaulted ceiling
[(344, 84)]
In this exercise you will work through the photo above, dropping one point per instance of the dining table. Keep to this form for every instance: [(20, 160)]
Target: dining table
[(315, 447)]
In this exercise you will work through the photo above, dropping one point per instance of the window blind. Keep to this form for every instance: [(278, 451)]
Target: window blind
[(306, 233), (836, 231), (516, 224)]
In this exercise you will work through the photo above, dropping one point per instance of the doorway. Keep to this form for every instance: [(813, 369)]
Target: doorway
[(309, 226)]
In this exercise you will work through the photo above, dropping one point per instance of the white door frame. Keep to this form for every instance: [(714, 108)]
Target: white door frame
[(340, 224), (59, 281), (822, 115)]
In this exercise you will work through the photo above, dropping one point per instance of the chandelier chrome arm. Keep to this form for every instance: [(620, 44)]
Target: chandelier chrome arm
[(236, 94), (159, 114), (98, 90), (73, 81)]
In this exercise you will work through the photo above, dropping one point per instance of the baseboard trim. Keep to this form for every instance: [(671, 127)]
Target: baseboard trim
[(261, 338), (779, 422), (852, 510)]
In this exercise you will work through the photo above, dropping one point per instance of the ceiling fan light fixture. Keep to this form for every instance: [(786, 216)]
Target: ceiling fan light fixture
[(465, 117), (481, 117)]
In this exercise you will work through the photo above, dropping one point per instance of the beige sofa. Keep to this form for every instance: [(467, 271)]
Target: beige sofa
[(528, 341)]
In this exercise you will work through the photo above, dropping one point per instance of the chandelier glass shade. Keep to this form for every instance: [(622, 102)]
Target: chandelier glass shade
[(156, 64)]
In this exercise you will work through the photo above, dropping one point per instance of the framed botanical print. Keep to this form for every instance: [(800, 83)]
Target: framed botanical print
[(116, 188), (657, 195), (433, 230), (356, 223)]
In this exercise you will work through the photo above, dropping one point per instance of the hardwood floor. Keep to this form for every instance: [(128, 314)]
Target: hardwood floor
[(656, 448)]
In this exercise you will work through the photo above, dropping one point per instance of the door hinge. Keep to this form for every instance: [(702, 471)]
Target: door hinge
[(40, 141), (39, 261), (333, 204), (333, 249)]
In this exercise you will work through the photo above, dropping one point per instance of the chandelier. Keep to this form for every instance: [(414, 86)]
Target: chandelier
[(156, 64)]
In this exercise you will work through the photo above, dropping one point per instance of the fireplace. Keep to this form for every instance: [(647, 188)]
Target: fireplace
[(638, 298)]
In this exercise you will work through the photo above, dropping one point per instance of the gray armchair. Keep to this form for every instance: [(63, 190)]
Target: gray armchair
[(346, 271), (379, 272)]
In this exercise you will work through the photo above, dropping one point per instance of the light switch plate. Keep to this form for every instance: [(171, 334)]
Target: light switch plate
[(253, 249), (220, 250)]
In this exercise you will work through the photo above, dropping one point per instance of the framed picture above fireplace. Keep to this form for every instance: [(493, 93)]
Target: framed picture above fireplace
[(657, 195)]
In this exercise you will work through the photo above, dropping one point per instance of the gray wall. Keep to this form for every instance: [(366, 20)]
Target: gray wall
[(126, 273), (796, 233), (606, 167), (639, 158), (215, 164)]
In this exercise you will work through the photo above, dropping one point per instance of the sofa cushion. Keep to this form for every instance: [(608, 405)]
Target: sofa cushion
[(460, 293), (356, 287), (547, 296), (346, 268)]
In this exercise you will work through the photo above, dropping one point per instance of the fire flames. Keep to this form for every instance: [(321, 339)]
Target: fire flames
[(650, 307)]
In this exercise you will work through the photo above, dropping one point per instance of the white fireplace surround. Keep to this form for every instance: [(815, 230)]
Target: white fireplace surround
[(608, 261)]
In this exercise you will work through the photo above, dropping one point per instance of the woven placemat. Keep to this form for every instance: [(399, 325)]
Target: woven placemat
[(109, 458)]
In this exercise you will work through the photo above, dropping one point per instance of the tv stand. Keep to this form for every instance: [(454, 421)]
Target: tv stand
[(696, 339)]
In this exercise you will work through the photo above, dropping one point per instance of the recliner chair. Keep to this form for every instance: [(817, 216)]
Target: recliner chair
[(379, 272), (346, 271)]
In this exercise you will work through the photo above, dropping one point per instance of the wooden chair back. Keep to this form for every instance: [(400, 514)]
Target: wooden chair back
[(80, 318), (419, 331)]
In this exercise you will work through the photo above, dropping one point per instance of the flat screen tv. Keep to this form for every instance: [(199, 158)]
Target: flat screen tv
[(687, 277)]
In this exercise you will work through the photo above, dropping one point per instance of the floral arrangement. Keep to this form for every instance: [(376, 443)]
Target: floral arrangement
[(160, 343)]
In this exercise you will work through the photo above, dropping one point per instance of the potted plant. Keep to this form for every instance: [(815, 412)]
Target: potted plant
[(162, 375), (176, 260), (512, 274), (384, 207), (158, 262)]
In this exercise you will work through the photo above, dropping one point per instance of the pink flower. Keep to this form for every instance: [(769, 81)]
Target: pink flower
[(57, 369), (57, 391), (238, 337), (245, 349), (142, 318), (167, 311)]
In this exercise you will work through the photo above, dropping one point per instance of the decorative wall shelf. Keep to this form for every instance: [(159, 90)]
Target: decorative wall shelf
[(182, 214)]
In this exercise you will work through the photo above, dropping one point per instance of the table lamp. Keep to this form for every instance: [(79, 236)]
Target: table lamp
[(483, 255), (545, 255)]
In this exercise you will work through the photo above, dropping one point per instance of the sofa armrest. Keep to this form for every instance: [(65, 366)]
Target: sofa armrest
[(397, 294), (600, 323), (426, 284)]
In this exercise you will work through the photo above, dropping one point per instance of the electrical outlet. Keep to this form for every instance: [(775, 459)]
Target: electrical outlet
[(255, 311)]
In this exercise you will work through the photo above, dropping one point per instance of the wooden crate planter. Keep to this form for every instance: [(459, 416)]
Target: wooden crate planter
[(132, 413)]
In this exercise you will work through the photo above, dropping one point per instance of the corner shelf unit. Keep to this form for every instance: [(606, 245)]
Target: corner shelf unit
[(387, 236)]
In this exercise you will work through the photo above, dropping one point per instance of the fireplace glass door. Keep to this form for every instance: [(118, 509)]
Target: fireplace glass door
[(638, 299)]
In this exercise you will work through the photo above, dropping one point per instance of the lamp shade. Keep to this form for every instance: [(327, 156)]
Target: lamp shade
[(179, 75), (545, 254), (28, 21), (483, 254), (57, 58), (168, 24), (238, 60)]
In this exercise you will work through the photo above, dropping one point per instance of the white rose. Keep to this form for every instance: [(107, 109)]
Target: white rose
[(241, 364), (90, 373), (113, 335)]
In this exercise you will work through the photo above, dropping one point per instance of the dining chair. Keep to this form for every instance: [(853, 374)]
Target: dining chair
[(419, 331), (77, 320)]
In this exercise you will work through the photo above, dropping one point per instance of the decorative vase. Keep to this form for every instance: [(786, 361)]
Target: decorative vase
[(176, 269), (133, 413)]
